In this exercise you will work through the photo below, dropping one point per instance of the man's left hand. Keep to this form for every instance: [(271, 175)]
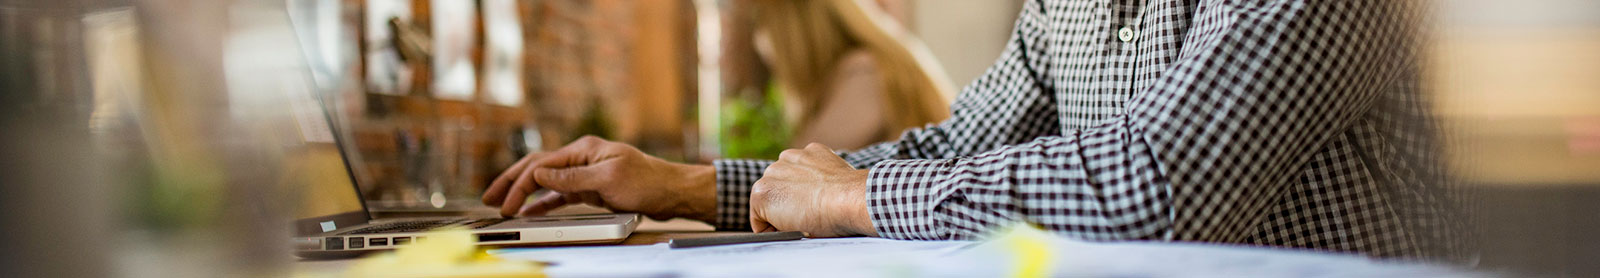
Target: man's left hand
[(811, 190)]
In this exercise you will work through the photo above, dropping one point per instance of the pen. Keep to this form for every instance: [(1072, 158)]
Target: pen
[(726, 240)]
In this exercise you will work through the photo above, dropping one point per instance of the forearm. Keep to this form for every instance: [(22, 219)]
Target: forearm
[(1095, 186)]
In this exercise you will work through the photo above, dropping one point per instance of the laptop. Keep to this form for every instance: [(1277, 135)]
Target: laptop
[(332, 220)]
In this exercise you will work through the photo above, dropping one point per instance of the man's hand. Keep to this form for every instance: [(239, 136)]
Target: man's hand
[(606, 174), (814, 191)]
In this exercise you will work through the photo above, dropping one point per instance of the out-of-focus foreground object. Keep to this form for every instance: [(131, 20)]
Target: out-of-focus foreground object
[(53, 213), (447, 253), (1516, 84), (133, 143)]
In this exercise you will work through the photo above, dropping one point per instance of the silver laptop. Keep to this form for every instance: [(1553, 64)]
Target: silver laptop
[(335, 221)]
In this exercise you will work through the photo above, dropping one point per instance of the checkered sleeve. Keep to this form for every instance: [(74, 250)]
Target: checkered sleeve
[(1199, 155), (734, 179)]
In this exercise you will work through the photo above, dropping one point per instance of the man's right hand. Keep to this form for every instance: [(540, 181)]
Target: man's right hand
[(606, 174)]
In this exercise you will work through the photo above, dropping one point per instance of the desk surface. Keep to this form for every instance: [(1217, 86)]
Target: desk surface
[(648, 237)]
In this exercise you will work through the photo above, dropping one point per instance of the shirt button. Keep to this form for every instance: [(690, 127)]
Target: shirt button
[(1125, 34)]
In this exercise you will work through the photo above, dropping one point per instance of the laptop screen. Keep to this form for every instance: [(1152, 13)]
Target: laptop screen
[(316, 170), (316, 166), (326, 187)]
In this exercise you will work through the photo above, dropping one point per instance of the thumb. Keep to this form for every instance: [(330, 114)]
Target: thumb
[(758, 222)]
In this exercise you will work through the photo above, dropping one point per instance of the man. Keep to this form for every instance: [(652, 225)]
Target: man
[(1290, 123)]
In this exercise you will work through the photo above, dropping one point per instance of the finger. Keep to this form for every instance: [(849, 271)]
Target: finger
[(759, 224), (825, 153), (587, 198), (496, 193), (571, 154), (779, 169), (574, 179), (581, 152), (819, 147), (758, 218), (513, 170), (523, 187), (791, 155), (544, 205)]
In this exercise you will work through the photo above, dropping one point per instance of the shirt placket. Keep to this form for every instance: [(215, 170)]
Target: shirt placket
[(1126, 31)]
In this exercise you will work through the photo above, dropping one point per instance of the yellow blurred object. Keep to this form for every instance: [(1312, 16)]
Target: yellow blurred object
[(1032, 250), (446, 253)]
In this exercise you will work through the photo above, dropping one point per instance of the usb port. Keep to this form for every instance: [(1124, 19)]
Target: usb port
[(378, 241), (356, 243), (492, 237), (401, 240), (333, 243)]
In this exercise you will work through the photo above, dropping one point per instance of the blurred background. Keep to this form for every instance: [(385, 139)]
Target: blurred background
[(142, 137)]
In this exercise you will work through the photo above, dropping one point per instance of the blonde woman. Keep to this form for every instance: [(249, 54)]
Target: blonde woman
[(847, 74)]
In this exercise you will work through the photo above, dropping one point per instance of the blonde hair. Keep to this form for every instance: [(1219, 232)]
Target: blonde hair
[(809, 38)]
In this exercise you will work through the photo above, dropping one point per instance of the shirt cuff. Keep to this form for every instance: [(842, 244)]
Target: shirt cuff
[(734, 179), (902, 196)]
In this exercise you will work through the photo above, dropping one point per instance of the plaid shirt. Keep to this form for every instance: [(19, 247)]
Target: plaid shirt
[(1292, 123)]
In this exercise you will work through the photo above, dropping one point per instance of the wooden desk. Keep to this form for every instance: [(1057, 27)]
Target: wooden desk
[(647, 237)]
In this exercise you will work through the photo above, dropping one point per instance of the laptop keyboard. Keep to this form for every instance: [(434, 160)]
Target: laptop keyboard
[(424, 225)]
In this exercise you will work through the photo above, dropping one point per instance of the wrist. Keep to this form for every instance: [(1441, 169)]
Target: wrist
[(858, 220), (699, 188)]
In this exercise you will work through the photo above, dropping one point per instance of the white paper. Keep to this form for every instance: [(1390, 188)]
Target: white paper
[(1164, 259), (845, 257), (870, 257)]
